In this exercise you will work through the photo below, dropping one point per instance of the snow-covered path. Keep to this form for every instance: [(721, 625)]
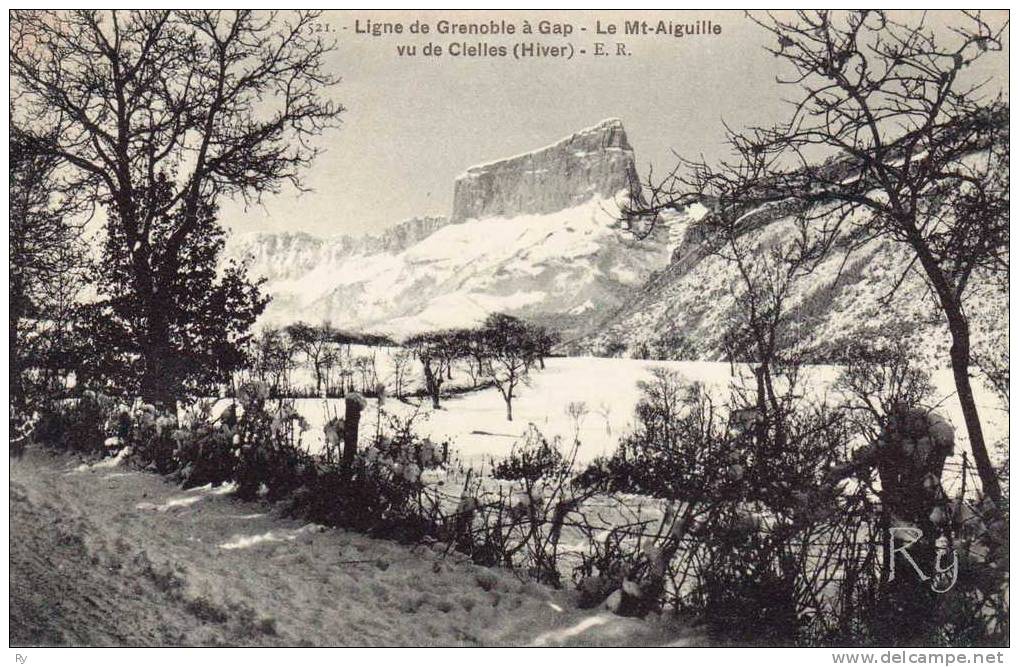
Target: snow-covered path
[(109, 556)]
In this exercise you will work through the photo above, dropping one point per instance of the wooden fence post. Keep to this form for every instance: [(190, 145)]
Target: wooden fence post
[(352, 419)]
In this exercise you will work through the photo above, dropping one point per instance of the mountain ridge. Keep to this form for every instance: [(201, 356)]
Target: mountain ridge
[(549, 248)]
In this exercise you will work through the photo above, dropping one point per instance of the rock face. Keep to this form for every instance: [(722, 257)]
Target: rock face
[(404, 235), (291, 255), (597, 161)]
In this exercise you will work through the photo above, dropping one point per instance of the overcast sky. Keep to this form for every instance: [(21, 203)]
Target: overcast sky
[(413, 124)]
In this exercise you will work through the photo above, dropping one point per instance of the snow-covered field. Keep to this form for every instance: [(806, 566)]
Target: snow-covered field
[(476, 422)]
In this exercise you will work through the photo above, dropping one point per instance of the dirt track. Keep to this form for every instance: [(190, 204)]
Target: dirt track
[(110, 556)]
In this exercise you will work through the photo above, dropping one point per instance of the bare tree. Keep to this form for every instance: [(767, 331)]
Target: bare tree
[(510, 348), (365, 366), (158, 115), (470, 348), (433, 351), (542, 342), (329, 361), (315, 343), (273, 359), (887, 138), (401, 361)]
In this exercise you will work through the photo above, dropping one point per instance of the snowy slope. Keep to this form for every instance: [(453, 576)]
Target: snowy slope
[(842, 299), (570, 266)]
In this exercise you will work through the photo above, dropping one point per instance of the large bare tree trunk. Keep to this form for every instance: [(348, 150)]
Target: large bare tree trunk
[(158, 375), (960, 353), (958, 327)]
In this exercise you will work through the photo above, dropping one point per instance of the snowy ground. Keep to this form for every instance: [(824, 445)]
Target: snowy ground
[(102, 555), (476, 422)]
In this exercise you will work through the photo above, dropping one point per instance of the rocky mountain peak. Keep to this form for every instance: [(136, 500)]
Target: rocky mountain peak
[(596, 161)]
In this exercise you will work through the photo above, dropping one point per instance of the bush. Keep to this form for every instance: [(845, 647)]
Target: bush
[(522, 524), (536, 459), (79, 424), (623, 572), (268, 446), (22, 425), (150, 436), (384, 491), (746, 489), (205, 451)]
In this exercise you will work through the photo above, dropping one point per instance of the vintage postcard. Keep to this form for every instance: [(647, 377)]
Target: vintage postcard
[(450, 328)]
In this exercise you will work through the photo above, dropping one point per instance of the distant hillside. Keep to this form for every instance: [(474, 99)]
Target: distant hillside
[(694, 299)]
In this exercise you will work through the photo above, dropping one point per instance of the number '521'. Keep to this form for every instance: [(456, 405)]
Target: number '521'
[(322, 26)]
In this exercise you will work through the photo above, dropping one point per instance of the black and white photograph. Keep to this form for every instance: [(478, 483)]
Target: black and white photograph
[(450, 328)]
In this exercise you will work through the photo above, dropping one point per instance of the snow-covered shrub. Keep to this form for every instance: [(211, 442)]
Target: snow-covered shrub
[(745, 489), (621, 574), (613, 348), (384, 489), (268, 445), (670, 345), (22, 426), (150, 432), (254, 442), (522, 523), (205, 449), (535, 459), (333, 432)]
